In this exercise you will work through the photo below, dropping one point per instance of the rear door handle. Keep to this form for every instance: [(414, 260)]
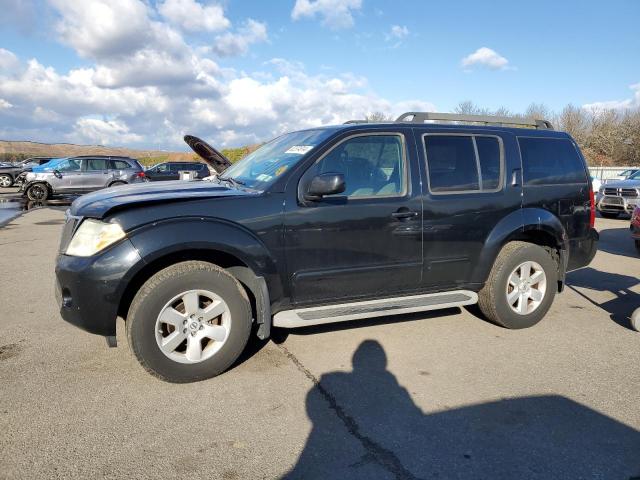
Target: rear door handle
[(404, 214)]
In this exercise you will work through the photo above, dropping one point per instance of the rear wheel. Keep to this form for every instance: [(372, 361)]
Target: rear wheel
[(609, 215), (38, 192), (189, 322), (5, 181), (520, 287)]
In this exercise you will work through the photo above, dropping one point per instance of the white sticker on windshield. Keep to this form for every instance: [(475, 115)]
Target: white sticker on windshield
[(299, 149), (264, 177)]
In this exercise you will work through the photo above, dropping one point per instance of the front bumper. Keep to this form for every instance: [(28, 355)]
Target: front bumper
[(89, 289), (617, 204)]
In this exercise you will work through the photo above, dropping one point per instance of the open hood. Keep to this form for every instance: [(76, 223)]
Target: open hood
[(213, 157)]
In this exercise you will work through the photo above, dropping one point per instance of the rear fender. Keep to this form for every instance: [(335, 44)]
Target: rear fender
[(522, 225)]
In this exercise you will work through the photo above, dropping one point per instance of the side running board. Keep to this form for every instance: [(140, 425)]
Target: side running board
[(373, 308)]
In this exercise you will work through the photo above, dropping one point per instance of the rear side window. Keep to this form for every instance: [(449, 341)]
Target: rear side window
[(550, 161), (463, 163), (119, 165), (97, 164)]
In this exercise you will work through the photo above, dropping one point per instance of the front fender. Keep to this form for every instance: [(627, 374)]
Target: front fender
[(159, 239), (517, 225)]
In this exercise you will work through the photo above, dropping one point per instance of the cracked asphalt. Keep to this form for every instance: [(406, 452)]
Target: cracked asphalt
[(433, 395)]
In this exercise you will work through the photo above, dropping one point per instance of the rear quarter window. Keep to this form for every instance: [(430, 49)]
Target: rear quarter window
[(550, 161)]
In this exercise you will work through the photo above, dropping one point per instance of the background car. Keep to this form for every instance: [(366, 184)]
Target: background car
[(13, 173), (635, 227), (624, 175), (619, 197), (170, 170), (81, 175)]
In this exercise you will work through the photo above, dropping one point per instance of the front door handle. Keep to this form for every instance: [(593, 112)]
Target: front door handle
[(404, 214), (515, 177)]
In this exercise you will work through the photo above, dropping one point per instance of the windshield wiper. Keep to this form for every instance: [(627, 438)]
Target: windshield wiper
[(232, 181)]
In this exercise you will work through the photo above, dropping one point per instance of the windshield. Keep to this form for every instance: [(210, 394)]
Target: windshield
[(635, 176), (261, 168)]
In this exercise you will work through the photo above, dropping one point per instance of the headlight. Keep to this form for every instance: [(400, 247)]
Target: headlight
[(93, 236)]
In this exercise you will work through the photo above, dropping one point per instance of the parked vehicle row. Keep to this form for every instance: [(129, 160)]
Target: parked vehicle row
[(328, 225), (83, 174)]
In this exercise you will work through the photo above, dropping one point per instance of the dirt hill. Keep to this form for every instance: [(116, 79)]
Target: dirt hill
[(15, 150)]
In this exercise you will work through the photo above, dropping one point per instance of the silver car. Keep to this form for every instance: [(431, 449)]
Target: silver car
[(619, 197), (82, 174)]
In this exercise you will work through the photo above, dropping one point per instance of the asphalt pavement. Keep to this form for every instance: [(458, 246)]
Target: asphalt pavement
[(432, 395)]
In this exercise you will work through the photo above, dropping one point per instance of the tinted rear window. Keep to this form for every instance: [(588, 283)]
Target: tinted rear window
[(452, 163), (120, 165), (97, 164), (550, 161)]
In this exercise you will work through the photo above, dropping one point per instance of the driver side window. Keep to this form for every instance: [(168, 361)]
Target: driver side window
[(70, 165), (372, 165)]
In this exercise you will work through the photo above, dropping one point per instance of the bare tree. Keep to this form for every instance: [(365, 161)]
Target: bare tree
[(378, 117)]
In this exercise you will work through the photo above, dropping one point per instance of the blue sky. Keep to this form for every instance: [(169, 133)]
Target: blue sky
[(143, 73)]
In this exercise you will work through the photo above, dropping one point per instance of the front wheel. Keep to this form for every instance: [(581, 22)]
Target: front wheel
[(38, 192), (5, 181), (520, 287), (189, 322)]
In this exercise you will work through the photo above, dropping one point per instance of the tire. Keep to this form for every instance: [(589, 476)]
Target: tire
[(38, 192), (117, 183), (146, 329), (638, 246), (6, 180), (493, 298), (609, 215), (635, 320)]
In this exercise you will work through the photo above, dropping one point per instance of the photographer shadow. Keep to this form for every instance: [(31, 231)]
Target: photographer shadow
[(366, 426)]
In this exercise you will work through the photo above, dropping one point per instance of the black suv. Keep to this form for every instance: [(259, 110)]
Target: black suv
[(331, 224), (171, 170)]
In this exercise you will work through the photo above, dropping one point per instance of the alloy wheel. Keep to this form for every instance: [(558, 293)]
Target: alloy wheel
[(193, 326), (526, 288)]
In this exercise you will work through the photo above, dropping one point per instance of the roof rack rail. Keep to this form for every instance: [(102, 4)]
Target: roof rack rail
[(349, 122), (422, 117)]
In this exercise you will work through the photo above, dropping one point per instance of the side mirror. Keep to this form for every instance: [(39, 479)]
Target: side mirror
[(325, 184), (57, 174)]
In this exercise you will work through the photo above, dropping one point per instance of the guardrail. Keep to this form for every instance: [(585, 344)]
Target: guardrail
[(608, 172)]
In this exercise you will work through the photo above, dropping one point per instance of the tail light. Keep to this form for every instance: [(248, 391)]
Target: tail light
[(142, 175), (592, 201)]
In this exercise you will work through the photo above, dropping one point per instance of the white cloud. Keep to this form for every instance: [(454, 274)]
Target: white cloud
[(485, 57), (629, 103), (193, 16), (238, 43), (103, 28), (222, 105), (8, 61), (399, 32), (4, 104), (335, 14), (104, 132)]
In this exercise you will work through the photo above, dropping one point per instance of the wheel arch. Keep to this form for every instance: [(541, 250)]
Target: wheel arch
[(177, 240), (532, 225)]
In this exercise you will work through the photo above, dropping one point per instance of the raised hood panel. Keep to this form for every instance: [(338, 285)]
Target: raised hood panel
[(213, 157), (100, 203)]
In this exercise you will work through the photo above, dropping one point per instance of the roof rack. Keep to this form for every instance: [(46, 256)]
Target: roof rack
[(422, 117)]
